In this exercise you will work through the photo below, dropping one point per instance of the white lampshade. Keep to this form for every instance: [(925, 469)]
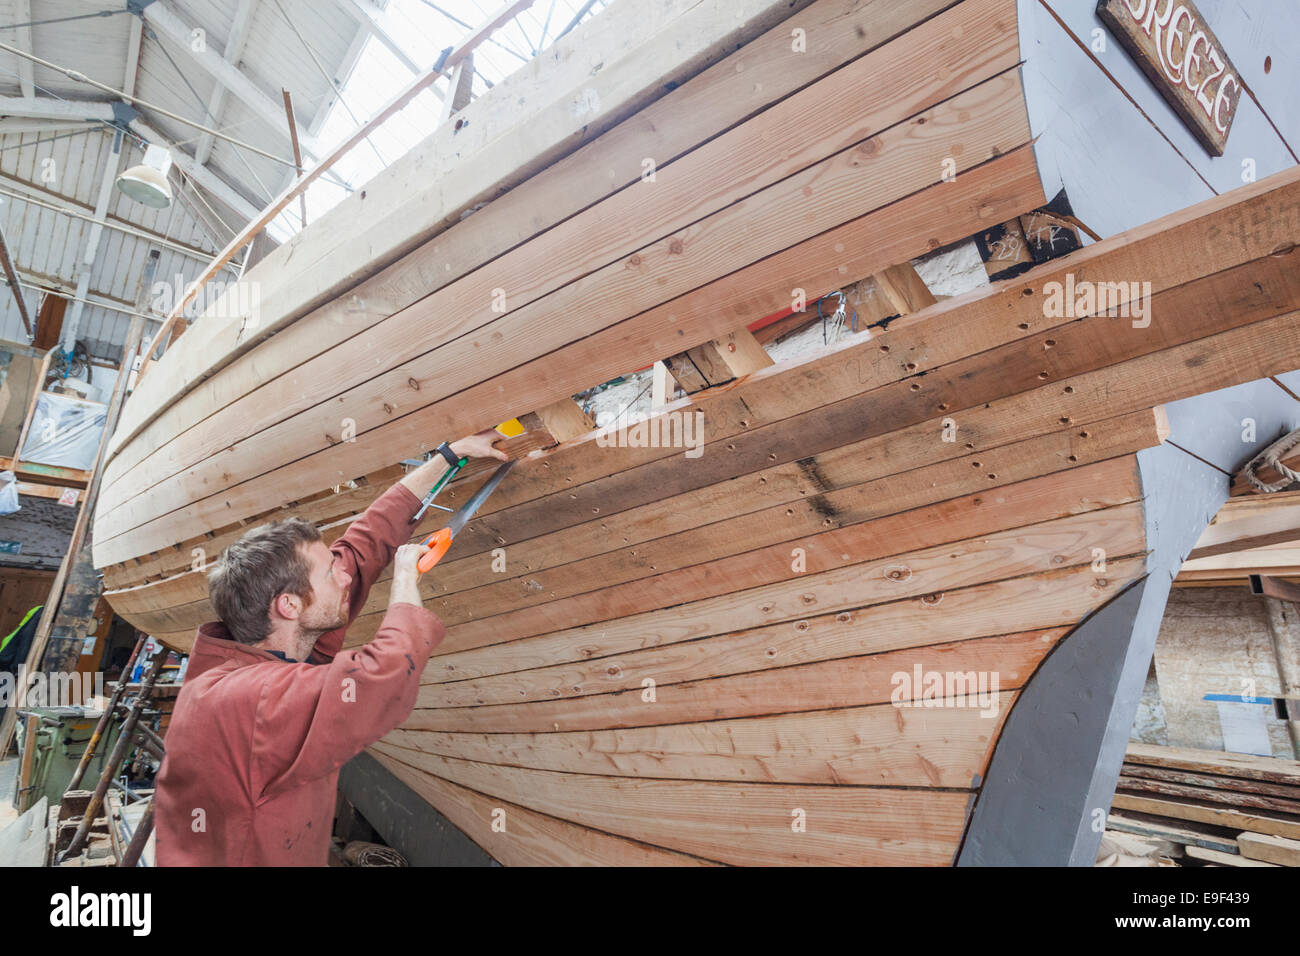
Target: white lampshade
[(147, 183)]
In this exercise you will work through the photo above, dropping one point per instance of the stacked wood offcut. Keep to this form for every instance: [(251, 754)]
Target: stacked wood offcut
[(1209, 806)]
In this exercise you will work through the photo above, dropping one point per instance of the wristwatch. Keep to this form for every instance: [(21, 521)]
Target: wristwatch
[(453, 459)]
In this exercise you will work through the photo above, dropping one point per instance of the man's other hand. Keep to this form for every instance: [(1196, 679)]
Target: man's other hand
[(479, 446), (405, 588)]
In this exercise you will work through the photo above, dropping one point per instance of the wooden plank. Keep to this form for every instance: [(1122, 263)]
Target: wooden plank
[(692, 179), (1220, 816), (1234, 798), (933, 569), (579, 620), (1202, 85), (1043, 498), (1085, 251), (46, 474), (646, 279), (527, 838), (1212, 780), (881, 745), (735, 823), (25, 769), (1270, 849), (1251, 521), (1164, 831), (1051, 599), (524, 125), (1221, 858), (565, 419), (721, 360), (849, 682), (876, 235), (639, 561), (48, 491), (871, 628), (1212, 761)]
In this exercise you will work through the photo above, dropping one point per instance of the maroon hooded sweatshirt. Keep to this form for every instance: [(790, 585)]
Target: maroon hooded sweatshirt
[(256, 741)]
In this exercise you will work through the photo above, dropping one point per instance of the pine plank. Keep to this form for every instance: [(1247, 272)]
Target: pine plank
[(529, 839), (1269, 769), (472, 342), (527, 122), (1270, 849), (851, 102), (577, 621), (872, 629), (735, 823), (1165, 831), (849, 682), (1195, 779), (1054, 598), (881, 745), (1234, 798), (761, 288), (1219, 816), (680, 544), (1221, 858)]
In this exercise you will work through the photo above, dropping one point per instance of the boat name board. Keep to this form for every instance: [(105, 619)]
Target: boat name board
[(1178, 51)]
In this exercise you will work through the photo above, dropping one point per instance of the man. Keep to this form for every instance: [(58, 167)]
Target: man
[(272, 707)]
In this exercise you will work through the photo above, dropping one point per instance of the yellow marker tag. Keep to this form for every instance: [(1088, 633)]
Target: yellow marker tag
[(510, 428)]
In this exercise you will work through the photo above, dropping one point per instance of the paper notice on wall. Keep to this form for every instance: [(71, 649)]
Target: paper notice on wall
[(1244, 721), (88, 644)]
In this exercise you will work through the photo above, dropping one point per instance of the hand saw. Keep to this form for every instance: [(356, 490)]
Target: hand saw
[(441, 539)]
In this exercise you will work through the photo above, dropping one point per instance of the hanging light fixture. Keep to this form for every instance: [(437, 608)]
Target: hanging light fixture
[(147, 183)]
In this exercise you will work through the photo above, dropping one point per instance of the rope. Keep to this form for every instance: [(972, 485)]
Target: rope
[(1271, 457), (360, 853)]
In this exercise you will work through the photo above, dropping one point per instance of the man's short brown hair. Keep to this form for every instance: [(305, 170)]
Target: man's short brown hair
[(252, 572)]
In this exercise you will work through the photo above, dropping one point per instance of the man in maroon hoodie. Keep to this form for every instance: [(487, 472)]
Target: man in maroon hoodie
[(272, 706)]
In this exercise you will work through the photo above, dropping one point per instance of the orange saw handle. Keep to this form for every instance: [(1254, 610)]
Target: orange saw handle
[(439, 542)]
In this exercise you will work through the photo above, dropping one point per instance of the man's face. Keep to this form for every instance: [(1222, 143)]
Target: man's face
[(330, 590)]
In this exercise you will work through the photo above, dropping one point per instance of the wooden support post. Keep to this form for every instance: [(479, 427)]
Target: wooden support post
[(565, 419), (14, 286), (28, 763), (297, 152), (659, 387), (730, 357), (896, 291)]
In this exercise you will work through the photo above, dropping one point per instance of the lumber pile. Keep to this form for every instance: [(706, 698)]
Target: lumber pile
[(1210, 807)]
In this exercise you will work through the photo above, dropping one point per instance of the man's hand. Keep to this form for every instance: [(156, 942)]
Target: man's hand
[(405, 588), (479, 446)]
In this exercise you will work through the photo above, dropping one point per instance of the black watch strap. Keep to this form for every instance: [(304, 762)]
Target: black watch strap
[(452, 459)]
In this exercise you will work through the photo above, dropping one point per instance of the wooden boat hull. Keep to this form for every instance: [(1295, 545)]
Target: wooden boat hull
[(893, 611)]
